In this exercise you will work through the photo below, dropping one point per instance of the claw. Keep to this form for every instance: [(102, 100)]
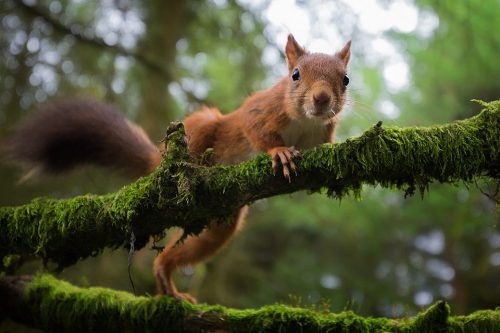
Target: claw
[(185, 297), (286, 173), (274, 165), (293, 167), (295, 152), (285, 156)]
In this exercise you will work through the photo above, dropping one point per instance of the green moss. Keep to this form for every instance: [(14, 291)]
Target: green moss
[(479, 321), (181, 193), (60, 307)]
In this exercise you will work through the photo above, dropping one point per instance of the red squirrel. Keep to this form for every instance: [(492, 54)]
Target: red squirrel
[(299, 112)]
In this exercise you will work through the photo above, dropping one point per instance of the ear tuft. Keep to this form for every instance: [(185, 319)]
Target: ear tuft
[(345, 53), (293, 52)]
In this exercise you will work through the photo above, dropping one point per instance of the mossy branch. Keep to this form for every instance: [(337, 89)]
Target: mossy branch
[(182, 193), (58, 306)]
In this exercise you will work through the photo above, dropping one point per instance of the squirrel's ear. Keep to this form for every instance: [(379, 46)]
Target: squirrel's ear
[(345, 53), (293, 52)]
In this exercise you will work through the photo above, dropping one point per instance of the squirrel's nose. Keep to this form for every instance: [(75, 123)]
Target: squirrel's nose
[(321, 99)]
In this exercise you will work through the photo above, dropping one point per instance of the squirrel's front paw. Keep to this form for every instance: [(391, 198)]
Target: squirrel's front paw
[(284, 156), (185, 296)]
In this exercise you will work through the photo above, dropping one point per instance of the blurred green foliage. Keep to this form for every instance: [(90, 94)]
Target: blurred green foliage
[(158, 60)]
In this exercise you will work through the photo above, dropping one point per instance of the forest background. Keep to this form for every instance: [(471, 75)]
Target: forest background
[(414, 63)]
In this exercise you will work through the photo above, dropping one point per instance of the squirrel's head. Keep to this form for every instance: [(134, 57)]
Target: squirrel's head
[(317, 82)]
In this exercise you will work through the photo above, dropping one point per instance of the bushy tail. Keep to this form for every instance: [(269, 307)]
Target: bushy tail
[(67, 134)]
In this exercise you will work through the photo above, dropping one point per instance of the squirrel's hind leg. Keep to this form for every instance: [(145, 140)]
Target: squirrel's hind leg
[(192, 250)]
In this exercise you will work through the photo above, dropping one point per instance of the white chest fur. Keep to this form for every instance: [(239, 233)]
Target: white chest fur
[(305, 133)]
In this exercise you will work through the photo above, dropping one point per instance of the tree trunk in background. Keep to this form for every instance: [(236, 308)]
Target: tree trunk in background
[(165, 24)]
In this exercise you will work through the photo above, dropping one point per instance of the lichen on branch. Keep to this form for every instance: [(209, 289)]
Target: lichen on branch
[(184, 194)]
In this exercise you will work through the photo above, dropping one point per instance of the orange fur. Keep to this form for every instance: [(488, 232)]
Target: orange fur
[(201, 130), (291, 115), (192, 250)]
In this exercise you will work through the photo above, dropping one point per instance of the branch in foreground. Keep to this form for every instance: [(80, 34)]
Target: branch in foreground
[(58, 306), (181, 193)]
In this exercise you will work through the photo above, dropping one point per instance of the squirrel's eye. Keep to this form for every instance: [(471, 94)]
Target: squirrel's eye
[(296, 74), (346, 80)]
